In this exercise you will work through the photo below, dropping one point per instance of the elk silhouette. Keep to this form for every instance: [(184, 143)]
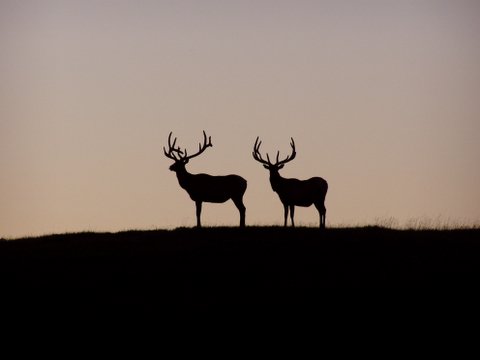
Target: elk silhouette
[(204, 187), (294, 192)]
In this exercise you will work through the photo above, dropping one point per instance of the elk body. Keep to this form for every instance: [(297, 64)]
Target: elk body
[(204, 187), (294, 192)]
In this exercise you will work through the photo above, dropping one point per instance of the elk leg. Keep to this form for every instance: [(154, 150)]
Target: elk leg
[(324, 215), (285, 207), (292, 212), (241, 208), (198, 205), (322, 211)]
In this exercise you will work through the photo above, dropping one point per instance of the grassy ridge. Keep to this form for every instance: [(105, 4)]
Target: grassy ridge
[(196, 269)]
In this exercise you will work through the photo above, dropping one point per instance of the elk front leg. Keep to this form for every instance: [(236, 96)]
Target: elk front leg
[(292, 213), (285, 208), (198, 205)]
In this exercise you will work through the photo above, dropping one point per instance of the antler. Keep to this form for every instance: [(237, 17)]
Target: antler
[(171, 149), (257, 156), (201, 148), (182, 155), (288, 158), (256, 153)]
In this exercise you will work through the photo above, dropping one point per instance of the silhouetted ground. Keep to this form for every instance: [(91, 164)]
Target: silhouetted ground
[(189, 271)]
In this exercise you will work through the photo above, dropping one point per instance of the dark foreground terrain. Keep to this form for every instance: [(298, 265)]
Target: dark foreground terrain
[(197, 270)]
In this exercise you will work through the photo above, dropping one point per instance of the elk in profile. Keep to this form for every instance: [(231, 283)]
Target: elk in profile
[(204, 187), (294, 192)]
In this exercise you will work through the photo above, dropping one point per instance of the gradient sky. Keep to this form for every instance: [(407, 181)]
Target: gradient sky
[(381, 97)]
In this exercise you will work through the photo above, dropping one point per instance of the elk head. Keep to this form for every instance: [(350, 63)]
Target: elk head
[(180, 157), (267, 164)]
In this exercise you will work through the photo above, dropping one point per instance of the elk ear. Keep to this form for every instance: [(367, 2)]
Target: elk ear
[(185, 161), (280, 166), (266, 167)]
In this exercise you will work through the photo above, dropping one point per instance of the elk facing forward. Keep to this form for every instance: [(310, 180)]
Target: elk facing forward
[(294, 192), (204, 187)]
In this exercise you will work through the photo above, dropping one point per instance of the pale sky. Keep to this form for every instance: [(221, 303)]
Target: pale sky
[(381, 97)]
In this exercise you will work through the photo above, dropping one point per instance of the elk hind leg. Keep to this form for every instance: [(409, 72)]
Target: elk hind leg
[(322, 211), (198, 205), (241, 208)]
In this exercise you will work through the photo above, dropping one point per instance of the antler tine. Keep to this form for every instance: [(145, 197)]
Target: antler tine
[(255, 149), (201, 148), (205, 140), (165, 152), (256, 153), (289, 157), (257, 144), (170, 145), (172, 150), (294, 153), (170, 154)]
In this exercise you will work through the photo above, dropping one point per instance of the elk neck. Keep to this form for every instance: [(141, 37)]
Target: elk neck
[(275, 179), (183, 177)]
